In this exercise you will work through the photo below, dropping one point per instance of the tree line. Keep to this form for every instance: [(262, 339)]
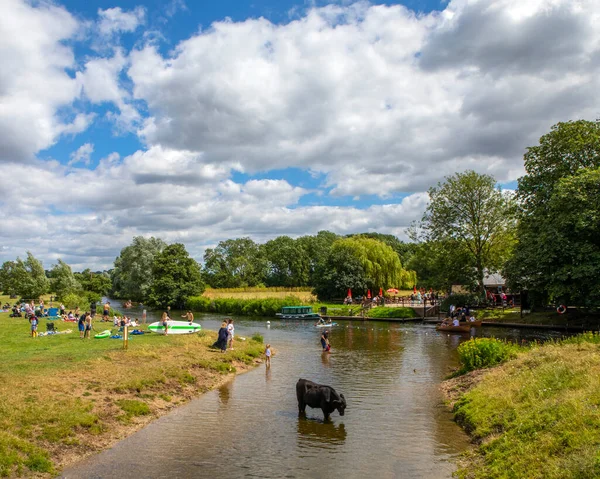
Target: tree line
[(543, 237)]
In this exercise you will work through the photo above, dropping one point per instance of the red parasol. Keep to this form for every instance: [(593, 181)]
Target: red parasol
[(415, 289), (349, 293), (380, 292), (393, 290), (368, 294)]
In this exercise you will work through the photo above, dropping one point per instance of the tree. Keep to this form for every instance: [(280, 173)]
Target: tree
[(132, 275), (360, 263), (98, 282), (402, 249), (25, 278), (176, 277), (339, 271), (478, 219), (316, 248), (288, 263), (234, 263), (570, 149), (62, 279)]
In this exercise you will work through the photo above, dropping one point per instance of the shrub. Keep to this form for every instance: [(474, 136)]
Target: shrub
[(383, 312), (257, 337), (483, 353), (72, 300), (470, 299)]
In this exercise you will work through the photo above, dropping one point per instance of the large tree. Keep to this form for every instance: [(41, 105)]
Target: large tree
[(476, 217), (288, 263), (98, 282), (176, 277), (25, 278), (359, 263), (234, 263), (132, 275), (570, 149), (63, 280), (316, 248)]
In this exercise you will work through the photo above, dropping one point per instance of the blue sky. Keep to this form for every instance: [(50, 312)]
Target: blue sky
[(202, 121)]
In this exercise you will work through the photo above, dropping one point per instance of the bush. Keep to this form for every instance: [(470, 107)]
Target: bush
[(257, 337), (481, 353), (383, 312), (242, 307), (72, 300), (470, 299)]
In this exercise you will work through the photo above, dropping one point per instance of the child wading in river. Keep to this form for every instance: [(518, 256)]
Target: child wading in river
[(268, 355)]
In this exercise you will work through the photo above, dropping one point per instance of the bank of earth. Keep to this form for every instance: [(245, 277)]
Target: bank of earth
[(63, 398), (536, 416)]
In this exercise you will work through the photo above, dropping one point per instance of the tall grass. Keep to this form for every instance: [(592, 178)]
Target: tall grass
[(536, 416), (242, 307), (480, 353)]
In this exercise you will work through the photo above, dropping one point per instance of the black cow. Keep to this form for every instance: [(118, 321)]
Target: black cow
[(317, 395)]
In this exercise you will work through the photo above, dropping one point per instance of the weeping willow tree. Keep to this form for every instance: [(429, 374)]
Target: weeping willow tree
[(359, 262)]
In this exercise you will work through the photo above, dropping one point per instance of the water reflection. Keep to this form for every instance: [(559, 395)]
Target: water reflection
[(315, 433)]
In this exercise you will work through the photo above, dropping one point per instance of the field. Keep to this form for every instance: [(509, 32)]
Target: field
[(62, 397), (305, 294)]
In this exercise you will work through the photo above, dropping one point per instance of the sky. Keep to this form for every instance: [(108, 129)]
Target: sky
[(200, 121)]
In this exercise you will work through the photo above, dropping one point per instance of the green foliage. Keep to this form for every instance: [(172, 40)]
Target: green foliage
[(316, 248), (383, 312), (287, 262), (478, 353), (477, 219), (591, 337), (257, 337), (242, 307), (132, 274), (24, 278), (133, 407), (557, 254), (63, 281), (99, 283), (340, 271), (234, 263), (176, 277), (460, 300)]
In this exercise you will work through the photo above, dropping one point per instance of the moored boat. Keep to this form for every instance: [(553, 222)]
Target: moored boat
[(297, 312), (454, 329)]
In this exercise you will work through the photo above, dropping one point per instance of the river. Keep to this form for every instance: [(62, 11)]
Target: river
[(395, 426)]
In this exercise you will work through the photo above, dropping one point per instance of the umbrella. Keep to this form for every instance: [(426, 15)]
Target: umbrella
[(415, 289), (349, 293), (380, 292), (393, 290), (369, 294)]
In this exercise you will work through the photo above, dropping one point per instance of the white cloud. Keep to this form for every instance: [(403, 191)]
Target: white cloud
[(115, 20), (33, 83), (83, 154), (380, 99)]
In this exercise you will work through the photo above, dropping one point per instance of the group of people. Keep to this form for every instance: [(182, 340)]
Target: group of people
[(225, 336), (125, 321), (84, 324), (456, 315)]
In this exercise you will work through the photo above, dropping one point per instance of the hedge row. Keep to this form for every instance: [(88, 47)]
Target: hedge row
[(242, 307)]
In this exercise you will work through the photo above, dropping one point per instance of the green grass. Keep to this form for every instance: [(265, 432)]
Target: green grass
[(58, 392), (537, 416), (385, 312)]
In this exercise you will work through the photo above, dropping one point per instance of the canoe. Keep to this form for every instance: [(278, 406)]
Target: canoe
[(325, 325), (473, 324), (454, 329), (103, 334), (175, 327)]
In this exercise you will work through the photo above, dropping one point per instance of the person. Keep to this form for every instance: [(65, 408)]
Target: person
[(325, 340), (268, 355), (76, 312), (189, 316), (106, 311), (88, 326), (62, 309), (320, 321), (34, 325), (81, 324), (451, 310), (165, 321), (230, 333), (472, 319), (455, 322), (42, 307), (222, 338)]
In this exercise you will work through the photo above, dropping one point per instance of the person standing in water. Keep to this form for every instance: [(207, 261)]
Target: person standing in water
[(268, 356), (325, 340)]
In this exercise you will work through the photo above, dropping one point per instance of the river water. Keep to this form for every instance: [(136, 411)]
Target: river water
[(395, 426)]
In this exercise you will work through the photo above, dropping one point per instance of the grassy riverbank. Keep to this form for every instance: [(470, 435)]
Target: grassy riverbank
[(536, 416), (62, 398)]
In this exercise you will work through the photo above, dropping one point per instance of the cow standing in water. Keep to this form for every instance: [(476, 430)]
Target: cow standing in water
[(319, 396)]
